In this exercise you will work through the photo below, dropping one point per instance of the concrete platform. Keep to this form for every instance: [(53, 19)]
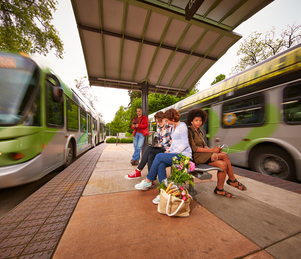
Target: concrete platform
[(113, 220)]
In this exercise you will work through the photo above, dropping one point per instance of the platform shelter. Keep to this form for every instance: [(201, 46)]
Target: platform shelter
[(158, 46)]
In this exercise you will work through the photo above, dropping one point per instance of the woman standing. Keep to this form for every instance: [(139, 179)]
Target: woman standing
[(179, 145), (202, 154), (164, 142)]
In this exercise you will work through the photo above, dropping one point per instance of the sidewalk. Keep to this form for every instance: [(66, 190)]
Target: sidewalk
[(113, 220)]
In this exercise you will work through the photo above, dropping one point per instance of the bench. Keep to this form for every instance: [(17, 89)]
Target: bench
[(201, 172)]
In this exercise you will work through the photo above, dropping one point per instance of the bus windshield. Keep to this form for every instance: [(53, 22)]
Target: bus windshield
[(18, 78)]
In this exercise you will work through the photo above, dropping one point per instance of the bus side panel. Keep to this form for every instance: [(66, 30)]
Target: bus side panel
[(228, 136), (53, 154)]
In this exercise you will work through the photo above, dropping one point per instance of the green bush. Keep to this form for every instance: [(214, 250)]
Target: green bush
[(112, 140), (127, 140), (127, 134)]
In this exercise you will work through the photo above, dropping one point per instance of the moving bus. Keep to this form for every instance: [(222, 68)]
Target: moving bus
[(257, 114), (43, 123)]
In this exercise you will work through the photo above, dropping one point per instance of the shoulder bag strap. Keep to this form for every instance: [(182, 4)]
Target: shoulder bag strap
[(167, 205)]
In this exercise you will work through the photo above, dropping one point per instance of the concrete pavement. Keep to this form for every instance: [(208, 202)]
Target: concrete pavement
[(113, 220)]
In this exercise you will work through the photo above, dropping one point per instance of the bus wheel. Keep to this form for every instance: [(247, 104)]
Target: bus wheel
[(70, 155), (273, 161)]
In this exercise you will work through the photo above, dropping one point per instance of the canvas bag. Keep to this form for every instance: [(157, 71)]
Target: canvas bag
[(173, 206)]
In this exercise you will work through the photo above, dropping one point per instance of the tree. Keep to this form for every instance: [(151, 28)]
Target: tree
[(258, 47), (120, 122), (25, 27), (87, 92), (156, 102), (219, 78)]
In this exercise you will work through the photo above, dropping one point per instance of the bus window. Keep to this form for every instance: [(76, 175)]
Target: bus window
[(94, 124), (54, 110), (17, 85), (72, 115), (292, 104), (183, 117), (89, 122), (244, 112), (34, 116), (83, 120)]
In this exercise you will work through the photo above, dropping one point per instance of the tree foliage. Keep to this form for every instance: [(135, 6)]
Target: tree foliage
[(87, 92), (258, 47), (156, 102), (121, 121), (219, 78), (25, 26)]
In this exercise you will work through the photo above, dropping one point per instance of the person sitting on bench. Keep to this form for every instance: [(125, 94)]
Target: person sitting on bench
[(202, 154)]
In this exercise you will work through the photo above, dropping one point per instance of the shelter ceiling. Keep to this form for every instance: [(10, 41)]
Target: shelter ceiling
[(130, 43)]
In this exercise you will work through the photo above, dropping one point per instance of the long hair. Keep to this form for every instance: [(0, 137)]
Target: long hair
[(172, 115), (198, 112)]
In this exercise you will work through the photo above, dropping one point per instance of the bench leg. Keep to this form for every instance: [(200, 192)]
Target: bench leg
[(191, 189)]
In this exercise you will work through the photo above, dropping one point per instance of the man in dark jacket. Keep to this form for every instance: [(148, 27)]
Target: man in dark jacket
[(140, 127)]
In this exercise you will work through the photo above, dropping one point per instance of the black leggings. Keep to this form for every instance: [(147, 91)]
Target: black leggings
[(149, 156), (208, 161)]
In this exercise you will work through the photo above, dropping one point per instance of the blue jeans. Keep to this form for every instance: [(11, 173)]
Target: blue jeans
[(138, 142), (159, 165)]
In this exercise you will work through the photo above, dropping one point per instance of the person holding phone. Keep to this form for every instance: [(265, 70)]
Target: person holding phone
[(140, 130), (202, 154)]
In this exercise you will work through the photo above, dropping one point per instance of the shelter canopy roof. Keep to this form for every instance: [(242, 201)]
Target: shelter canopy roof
[(130, 43)]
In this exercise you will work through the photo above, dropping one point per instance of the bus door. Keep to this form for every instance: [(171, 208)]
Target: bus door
[(89, 130), (55, 140)]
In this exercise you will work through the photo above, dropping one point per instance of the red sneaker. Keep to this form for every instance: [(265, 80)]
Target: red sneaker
[(135, 175)]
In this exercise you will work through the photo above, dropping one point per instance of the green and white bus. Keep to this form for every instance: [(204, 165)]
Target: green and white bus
[(44, 124), (257, 114)]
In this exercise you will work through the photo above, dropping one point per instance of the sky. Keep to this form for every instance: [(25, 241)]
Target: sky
[(278, 14)]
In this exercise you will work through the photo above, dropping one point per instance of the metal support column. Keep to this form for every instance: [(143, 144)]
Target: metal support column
[(144, 98)]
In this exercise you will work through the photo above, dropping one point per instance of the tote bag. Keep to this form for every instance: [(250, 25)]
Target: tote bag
[(173, 206)]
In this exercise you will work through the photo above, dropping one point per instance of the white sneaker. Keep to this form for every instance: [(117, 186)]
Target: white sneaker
[(143, 185), (153, 184), (156, 200)]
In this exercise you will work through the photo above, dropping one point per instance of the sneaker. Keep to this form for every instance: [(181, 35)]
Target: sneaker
[(144, 185), (135, 175), (153, 184), (156, 200), (135, 162)]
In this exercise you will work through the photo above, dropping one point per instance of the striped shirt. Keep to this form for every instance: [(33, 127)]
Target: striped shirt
[(164, 136)]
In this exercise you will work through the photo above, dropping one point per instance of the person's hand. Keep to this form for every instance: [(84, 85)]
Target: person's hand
[(216, 149), (167, 151)]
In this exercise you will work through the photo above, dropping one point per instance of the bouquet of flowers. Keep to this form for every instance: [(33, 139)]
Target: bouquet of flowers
[(179, 176)]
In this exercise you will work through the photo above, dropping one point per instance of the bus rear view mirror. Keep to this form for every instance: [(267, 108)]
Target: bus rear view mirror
[(57, 91), (57, 94)]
